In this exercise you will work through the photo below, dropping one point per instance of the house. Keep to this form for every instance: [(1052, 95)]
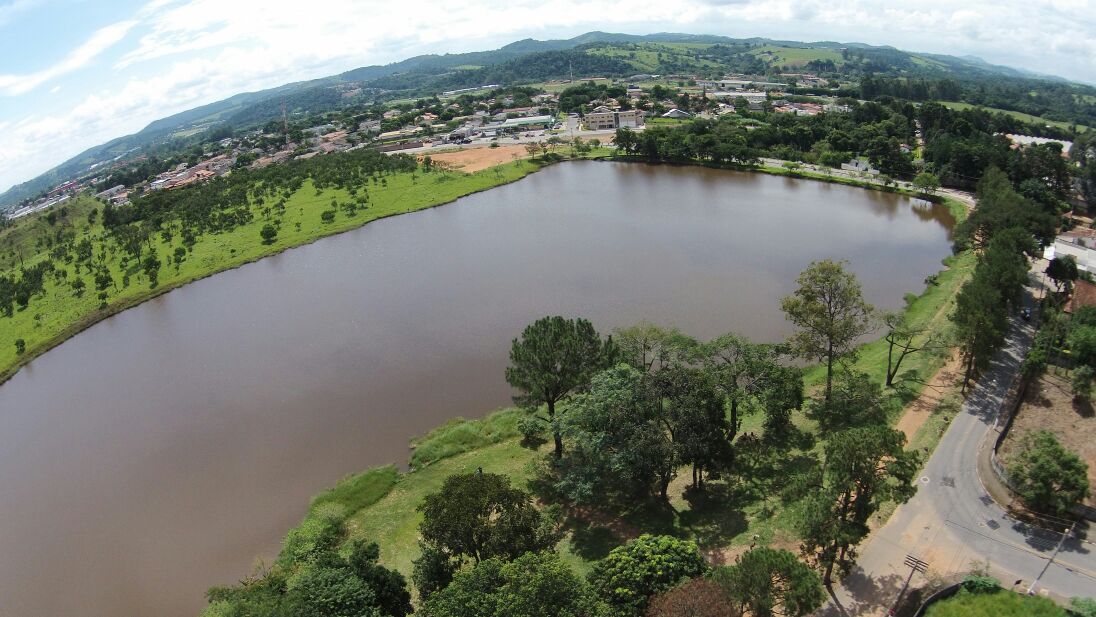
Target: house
[(111, 192), (1020, 141), (677, 114), (740, 84), (753, 98), (1079, 243), (602, 118), (1084, 294), (390, 114), (860, 166)]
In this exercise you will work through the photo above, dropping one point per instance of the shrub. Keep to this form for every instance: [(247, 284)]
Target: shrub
[(649, 565), (976, 583)]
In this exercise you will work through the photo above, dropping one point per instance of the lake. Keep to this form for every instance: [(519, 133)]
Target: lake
[(166, 448)]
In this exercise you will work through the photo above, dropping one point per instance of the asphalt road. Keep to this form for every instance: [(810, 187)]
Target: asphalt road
[(952, 521)]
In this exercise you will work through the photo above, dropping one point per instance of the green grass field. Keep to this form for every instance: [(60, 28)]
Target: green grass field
[(1002, 603), (1015, 114), (795, 56), (60, 313), (646, 57)]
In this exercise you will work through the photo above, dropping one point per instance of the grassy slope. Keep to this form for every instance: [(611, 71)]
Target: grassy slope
[(645, 59), (1019, 115), (795, 56), (59, 314), (999, 604)]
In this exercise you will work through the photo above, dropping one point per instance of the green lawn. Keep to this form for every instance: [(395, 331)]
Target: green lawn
[(59, 313), (1015, 114), (795, 56), (1002, 603)]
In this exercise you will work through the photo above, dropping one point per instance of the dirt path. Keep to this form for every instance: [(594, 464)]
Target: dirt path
[(919, 410), (477, 159)]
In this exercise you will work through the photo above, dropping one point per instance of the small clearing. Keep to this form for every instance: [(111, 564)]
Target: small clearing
[(934, 392), (1049, 405), (471, 160)]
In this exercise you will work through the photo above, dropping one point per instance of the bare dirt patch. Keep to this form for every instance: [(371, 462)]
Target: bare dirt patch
[(1049, 405), (471, 160), (919, 410)]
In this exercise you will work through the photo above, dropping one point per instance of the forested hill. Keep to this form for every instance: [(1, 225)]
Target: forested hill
[(886, 70)]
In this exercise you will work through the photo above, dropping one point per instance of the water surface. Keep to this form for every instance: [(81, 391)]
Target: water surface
[(164, 449)]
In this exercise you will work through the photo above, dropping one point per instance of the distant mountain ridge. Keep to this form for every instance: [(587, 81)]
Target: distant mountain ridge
[(523, 60)]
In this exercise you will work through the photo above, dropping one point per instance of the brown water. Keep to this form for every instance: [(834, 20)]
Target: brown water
[(164, 449)]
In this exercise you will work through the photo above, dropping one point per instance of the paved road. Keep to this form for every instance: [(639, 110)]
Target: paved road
[(952, 521)]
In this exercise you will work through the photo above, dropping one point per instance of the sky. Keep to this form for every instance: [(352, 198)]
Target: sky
[(77, 73)]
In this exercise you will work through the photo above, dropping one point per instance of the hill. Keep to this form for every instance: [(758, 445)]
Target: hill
[(594, 53)]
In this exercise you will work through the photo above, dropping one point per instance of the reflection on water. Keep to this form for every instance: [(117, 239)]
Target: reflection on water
[(162, 450)]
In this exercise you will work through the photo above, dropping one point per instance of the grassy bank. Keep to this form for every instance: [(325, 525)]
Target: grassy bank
[(60, 312)]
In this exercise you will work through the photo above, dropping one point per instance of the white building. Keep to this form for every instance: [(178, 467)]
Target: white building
[(1080, 243), (602, 118)]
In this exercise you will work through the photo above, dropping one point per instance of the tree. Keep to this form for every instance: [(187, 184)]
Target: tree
[(765, 582), (20, 346), (926, 182), (696, 419), (1062, 270), (1047, 476), (902, 342), (479, 515), (830, 313), (1081, 382), (981, 320), (649, 565), (325, 591), (856, 401), (752, 376), (268, 233), (389, 586), (1082, 344), (553, 358), (619, 444), (151, 266), (533, 585), (699, 597), (863, 467)]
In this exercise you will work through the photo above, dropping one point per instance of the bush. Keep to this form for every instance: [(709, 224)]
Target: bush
[(976, 583), (649, 565), (459, 436), (1082, 607), (700, 597), (532, 431), (268, 233), (327, 216)]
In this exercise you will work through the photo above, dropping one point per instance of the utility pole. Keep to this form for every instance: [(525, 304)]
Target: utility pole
[(1046, 566), (915, 565)]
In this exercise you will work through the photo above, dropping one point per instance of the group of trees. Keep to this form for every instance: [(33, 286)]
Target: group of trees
[(630, 412), (479, 559), (1004, 229)]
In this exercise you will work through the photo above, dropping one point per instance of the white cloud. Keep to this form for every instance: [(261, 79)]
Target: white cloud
[(200, 51), (102, 40), (10, 10)]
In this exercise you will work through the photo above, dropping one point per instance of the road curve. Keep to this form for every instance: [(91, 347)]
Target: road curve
[(952, 521)]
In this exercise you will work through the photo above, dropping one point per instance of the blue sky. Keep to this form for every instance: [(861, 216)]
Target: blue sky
[(76, 73)]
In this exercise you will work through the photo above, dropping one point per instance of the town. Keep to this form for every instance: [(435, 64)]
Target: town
[(490, 115)]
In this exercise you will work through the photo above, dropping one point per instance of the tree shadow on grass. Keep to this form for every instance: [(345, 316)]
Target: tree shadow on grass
[(592, 542), (715, 515)]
